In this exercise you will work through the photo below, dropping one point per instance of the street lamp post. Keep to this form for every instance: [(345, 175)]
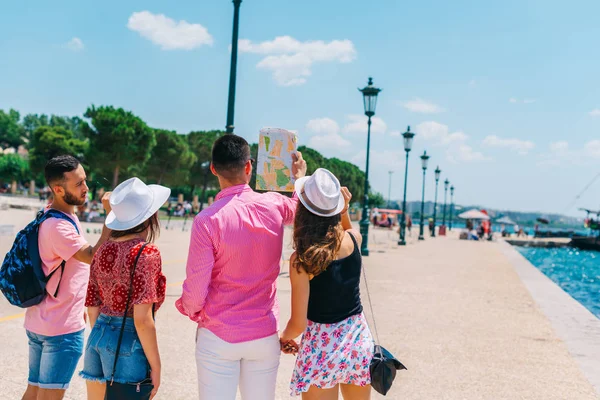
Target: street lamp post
[(369, 93), (451, 208), (233, 67), (446, 183), (408, 138), (390, 190), (438, 171), (424, 161)]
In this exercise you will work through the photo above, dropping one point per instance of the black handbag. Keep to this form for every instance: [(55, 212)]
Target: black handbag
[(128, 391), (383, 365)]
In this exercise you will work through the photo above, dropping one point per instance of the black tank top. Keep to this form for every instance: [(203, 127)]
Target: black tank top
[(335, 292)]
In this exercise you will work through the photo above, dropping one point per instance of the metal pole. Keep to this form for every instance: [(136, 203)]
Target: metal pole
[(364, 221), (435, 208), (421, 237), (233, 67), (402, 241), (451, 210), (390, 190), (445, 197)]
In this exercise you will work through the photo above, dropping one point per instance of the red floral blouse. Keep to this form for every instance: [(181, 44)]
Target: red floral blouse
[(110, 277)]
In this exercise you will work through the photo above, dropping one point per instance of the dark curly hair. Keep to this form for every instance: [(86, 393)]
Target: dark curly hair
[(317, 240)]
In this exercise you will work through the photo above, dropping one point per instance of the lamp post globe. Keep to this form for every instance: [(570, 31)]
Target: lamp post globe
[(424, 162), (407, 137), (369, 93)]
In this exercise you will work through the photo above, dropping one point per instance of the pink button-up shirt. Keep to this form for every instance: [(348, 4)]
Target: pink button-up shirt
[(233, 264)]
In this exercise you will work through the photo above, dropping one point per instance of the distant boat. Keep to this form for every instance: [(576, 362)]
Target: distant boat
[(591, 242), (586, 242)]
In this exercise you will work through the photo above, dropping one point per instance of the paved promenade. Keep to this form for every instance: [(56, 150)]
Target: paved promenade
[(458, 314)]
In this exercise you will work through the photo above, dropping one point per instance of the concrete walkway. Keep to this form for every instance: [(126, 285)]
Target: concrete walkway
[(456, 313)]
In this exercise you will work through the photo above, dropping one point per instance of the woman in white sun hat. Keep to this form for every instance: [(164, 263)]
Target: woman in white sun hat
[(126, 279), (337, 346)]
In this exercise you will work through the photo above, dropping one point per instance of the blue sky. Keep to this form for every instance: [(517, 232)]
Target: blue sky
[(504, 96)]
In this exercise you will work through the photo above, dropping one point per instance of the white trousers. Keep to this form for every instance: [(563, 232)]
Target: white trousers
[(222, 366)]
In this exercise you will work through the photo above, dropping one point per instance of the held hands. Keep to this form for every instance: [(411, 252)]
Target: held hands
[(288, 346), (347, 197), (106, 202), (298, 165)]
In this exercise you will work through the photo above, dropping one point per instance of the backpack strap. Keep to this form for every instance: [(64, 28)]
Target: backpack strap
[(52, 213)]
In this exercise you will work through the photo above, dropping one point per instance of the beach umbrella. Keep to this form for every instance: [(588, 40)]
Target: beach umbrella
[(506, 221), (473, 214)]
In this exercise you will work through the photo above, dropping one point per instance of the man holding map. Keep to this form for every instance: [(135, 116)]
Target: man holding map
[(232, 268)]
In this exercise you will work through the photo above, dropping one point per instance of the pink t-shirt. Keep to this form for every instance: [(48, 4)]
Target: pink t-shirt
[(58, 240)]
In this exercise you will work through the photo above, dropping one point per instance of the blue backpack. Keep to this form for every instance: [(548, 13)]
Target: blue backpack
[(22, 278)]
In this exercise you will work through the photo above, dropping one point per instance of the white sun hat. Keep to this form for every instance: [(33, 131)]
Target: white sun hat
[(133, 202), (321, 193)]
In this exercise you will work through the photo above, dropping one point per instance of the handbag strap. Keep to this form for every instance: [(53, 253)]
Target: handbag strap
[(362, 267), (125, 314)]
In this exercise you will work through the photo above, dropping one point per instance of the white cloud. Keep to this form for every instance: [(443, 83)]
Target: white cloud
[(75, 44), (464, 153), (472, 83), (439, 133), (559, 147), (167, 33), (329, 137), (522, 147), (290, 60), (395, 133), (562, 153), (595, 112), (323, 125), (386, 158), (529, 101), (512, 100), (457, 149), (325, 142), (422, 106), (592, 148), (358, 124)]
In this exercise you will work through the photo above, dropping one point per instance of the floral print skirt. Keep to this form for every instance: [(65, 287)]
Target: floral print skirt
[(333, 353)]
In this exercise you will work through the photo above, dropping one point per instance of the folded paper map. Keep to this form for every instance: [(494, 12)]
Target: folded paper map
[(274, 163)]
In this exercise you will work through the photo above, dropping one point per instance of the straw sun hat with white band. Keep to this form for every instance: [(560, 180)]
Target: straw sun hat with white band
[(133, 202), (321, 193)]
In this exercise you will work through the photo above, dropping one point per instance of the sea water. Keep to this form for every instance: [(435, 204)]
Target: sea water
[(577, 272)]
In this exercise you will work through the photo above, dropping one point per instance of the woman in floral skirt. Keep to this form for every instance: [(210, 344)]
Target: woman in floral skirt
[(337, 347)]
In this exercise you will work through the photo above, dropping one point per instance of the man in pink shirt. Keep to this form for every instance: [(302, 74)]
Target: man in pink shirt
[(55, 326), (232, 268)]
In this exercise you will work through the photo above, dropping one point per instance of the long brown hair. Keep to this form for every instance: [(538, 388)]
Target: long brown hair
[(317, 240), (151, 224)]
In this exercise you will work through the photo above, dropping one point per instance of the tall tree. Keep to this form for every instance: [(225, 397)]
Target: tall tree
[(13, 168), (171, 159), (11, 133), (33, 121), (201, 143), (118, 140), (48, 142), (376, 199), (348, 174)]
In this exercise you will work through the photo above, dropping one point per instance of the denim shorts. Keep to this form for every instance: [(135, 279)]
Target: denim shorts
[(101, 347), (53, 359)]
